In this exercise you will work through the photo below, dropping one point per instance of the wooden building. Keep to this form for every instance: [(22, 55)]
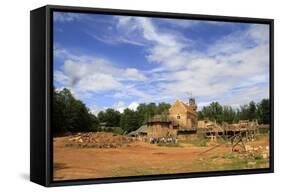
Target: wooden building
[(161, 126), (181, 118)]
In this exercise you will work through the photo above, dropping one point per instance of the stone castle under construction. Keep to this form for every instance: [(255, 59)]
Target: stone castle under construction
[(182, 119)]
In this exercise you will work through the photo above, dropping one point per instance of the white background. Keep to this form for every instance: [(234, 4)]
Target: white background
[(14, 94)]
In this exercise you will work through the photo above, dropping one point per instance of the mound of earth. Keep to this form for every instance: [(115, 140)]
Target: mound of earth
[(98, 140)]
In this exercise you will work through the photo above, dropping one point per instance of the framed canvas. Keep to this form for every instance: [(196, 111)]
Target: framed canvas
[(123, 95)]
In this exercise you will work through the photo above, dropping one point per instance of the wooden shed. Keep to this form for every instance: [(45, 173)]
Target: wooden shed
[(160, 126)]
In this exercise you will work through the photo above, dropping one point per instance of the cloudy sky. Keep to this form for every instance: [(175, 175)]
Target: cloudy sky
[(121, 61)]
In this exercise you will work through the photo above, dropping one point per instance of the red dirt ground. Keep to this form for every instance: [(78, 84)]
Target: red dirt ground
[(137, 158)]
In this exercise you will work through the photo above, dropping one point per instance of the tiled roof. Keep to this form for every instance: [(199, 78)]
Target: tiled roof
[(188, 108)]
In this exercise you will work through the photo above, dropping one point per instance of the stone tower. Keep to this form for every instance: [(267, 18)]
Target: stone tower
[(192, 103)]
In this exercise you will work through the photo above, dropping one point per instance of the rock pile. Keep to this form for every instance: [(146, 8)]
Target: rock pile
[(98, 140), (263, 152)]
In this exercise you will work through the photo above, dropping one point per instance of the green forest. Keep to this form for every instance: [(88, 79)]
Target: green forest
[(72, 115)]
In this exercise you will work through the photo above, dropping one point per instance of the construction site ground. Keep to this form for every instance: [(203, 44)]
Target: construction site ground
[(73, 159)]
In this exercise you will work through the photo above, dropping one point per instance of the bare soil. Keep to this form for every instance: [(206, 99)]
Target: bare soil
[(139, 158)]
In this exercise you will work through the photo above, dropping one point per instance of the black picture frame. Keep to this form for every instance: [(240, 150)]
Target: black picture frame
[(41, 84)]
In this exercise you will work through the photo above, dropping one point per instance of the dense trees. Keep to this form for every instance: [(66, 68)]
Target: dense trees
[(251, 111), (111, 117), (263, 111), (213, 112), (70, 114), (131, 120)]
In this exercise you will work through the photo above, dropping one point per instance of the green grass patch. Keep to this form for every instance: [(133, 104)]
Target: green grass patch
[(221, 140), (262, 136), (196, 141), (118, 131), (133, 171), (234, 161), (228, 156)]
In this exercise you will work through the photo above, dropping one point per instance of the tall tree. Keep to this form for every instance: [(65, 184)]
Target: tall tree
[(70, 114), (142, 114), (244, 112), (252, 111), (162, 107), (228, 114), (101, 116), (129, 120), (112, 118), (213, 112), (263, 111), (59, 114)]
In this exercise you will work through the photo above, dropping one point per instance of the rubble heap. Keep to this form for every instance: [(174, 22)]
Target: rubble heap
[(98, 140)]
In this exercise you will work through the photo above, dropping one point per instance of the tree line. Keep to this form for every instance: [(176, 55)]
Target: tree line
[(72, 115), (252, 111)]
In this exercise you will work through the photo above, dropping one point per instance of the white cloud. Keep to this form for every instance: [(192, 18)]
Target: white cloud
[(239, 59), (131, 74), (232, 70), (115, 26), (216, 77), (62, 78), (99, 82), (65, 17), (259, 33), (133, 106), (95, 109), (116, 39), (164, 48), (182, 22), (80, 66), (240, 41), (189, 24), (119, 106), (88, 74), (245, 95)]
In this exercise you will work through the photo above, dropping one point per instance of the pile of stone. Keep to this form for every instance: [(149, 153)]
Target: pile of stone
[(98, 140), (262, 151)]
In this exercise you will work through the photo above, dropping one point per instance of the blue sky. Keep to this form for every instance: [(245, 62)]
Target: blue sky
[(121, 61)]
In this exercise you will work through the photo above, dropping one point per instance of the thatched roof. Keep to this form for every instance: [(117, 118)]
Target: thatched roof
[(159, 118), (142, 129)]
